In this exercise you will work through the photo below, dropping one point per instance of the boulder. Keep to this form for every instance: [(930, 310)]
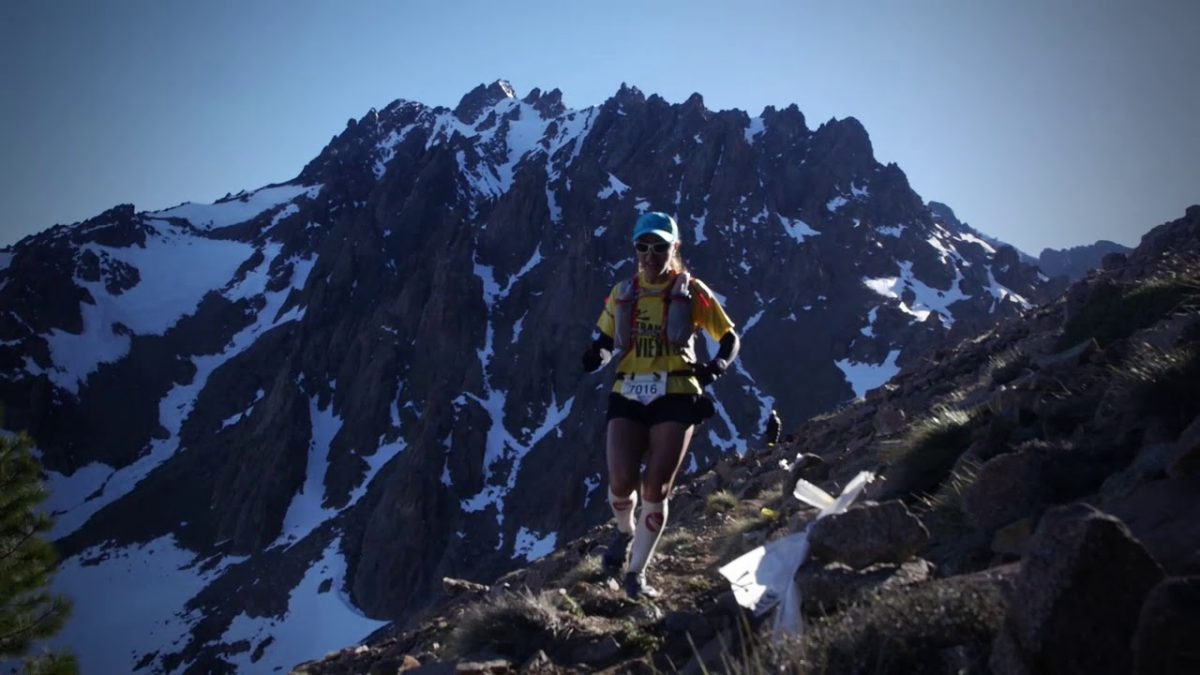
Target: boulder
[(1013, 537), (1077, 597), (889, 419), (1165, 641), (810, 467), (1068, 357), (824, 588), (454, 586), (1007, 488), (868, 534), (1149, 464), (1164, 515), (1185, 461)]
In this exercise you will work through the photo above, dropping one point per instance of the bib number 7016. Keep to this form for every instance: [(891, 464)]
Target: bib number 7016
[(644, 387)]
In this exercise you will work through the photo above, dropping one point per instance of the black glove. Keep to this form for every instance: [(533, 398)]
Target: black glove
[(594, 358), (707, 373)]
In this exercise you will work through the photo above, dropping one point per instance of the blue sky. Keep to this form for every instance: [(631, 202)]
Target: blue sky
[(1043, 123)]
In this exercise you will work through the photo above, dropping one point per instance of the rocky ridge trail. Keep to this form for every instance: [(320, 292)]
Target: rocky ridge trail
[(1038, 511)]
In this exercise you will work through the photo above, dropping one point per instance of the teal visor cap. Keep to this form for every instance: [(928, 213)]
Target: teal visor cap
[(659, 224)]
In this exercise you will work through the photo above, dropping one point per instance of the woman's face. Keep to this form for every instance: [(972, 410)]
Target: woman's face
[(654, 255)]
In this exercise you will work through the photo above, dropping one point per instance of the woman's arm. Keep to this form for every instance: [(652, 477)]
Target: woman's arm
[(731, 344), (707, 373)]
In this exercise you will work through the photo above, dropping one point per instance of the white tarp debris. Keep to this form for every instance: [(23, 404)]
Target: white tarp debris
[(765, 577)]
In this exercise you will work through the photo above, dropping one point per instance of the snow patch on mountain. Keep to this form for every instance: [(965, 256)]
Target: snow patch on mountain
[(968, 237), (315, 623), (926, 299), (239, 416), (614, 187), (869, 329), (136, 597), (530, 546), (306, 511), (864, 377), (167, 289), (386, 149), (502, 445), (1003, 293), (174, 407), (735, 442), (698, 227), (238, 209), (796, 229)]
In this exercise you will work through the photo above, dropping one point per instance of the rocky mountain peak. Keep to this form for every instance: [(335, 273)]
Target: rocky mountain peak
[(474, 102), (1075, 262), (945, 214), (628, 94), (549, 105)]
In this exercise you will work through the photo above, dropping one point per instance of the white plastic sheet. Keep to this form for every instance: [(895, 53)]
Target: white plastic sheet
[(766, 577)]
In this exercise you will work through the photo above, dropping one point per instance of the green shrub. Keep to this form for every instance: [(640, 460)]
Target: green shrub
[(638, 638), (924, 457)]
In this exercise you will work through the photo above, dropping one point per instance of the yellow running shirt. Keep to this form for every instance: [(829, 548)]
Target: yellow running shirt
[(651, 354)]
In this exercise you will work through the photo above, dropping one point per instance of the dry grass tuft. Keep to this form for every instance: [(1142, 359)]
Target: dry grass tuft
[(588, 569), (1006, 366), (1163, 384), (924, 457), (1117, 311), (512, 624), (720, 501)]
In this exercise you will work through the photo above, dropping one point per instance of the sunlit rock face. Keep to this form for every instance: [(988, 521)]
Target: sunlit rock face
[(366, 378)]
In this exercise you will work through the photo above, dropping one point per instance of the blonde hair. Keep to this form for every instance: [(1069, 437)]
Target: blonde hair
[(677, 260)]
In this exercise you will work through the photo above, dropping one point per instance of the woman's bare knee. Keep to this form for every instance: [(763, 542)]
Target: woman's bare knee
[(625, 446), (668, 446)]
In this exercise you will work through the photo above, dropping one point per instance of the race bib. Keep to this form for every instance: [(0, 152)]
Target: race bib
[(644, 387)]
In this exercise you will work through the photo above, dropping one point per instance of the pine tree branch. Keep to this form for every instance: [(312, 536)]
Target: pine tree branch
[(12, 637), (11, 551)]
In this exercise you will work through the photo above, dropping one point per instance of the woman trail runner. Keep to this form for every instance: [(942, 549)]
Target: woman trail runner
[(649, 324)]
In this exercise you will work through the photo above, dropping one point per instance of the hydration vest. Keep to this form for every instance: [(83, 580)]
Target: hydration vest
[(677, 329)]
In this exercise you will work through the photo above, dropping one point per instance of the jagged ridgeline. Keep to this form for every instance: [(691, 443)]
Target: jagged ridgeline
[(334, 391)]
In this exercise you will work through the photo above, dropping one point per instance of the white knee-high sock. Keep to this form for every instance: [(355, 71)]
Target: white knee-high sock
[(649, 528), (622, 508)]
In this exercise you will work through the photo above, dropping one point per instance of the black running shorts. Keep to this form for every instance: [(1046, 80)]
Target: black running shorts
[(686, 409)]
